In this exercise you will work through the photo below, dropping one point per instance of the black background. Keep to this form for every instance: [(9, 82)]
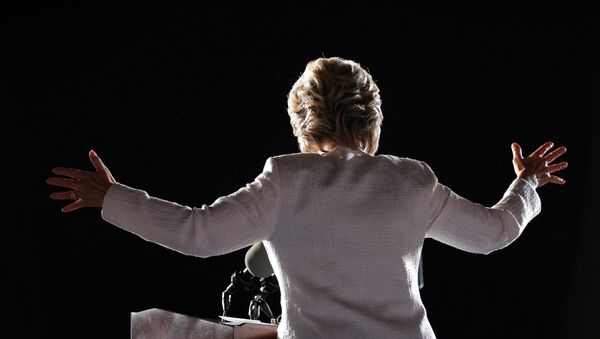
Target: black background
[(187, 102)]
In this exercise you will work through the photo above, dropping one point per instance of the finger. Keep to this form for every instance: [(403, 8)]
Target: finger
[(61, 195), (517, 151), (556, 180), (98, 164), (69, 172), (73, 206), (555, 167), (542, 149), (62, 182), (555, 154)]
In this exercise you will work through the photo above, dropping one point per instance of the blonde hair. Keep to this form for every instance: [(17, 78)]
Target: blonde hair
[(335, 102)]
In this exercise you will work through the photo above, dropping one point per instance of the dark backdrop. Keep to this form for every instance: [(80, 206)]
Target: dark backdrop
[(187, 102)]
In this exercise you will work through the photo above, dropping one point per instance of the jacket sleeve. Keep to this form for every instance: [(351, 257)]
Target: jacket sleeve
[(471, 227), (230, 223)]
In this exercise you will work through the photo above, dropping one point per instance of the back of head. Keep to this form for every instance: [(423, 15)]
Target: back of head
[(335, 102)]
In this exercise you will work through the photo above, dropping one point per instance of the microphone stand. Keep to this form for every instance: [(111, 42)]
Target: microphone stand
[(259, 303), (241, 279), (421, 278)]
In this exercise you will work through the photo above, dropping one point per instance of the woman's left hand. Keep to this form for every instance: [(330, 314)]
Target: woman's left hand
[(538, 164), (87, 188)]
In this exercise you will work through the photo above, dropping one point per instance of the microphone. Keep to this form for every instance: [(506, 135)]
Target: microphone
[(251, 277), (257, 261)]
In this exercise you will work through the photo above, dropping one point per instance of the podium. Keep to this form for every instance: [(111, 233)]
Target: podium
[(156, 323)]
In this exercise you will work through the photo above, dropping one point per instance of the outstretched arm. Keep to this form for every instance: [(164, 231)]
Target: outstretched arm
[(471, 227), (230, 223)]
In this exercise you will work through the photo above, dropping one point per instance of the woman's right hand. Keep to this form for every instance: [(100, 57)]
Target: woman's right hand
[(86, 188), (539, 166)]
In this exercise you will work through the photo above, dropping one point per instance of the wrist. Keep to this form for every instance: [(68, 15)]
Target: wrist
[(531, 179), (108, 187)]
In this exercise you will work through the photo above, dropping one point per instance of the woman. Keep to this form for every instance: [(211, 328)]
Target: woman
[(343, 228)]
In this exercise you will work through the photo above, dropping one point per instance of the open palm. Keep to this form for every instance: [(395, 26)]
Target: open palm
[(538, 165), (86, 188)]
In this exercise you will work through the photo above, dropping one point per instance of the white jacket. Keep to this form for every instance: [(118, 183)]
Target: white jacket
[(343, 231)]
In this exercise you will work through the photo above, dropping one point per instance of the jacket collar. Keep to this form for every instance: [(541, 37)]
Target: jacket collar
[(341, 149)]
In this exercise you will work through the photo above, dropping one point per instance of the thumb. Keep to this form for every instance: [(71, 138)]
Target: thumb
[(517, 152), (95, 159)]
